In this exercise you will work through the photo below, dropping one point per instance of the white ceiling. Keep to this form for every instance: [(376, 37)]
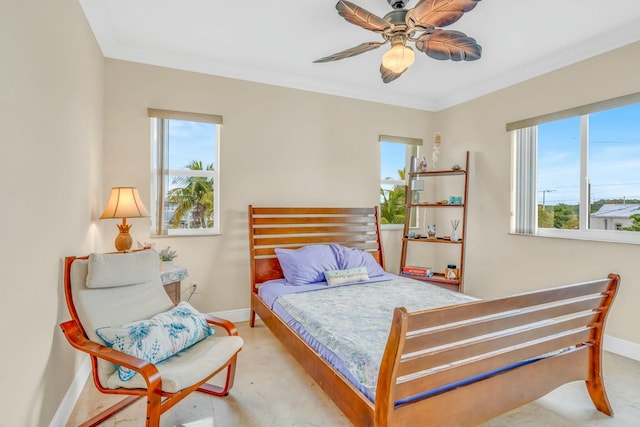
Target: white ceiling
[(275, 42)]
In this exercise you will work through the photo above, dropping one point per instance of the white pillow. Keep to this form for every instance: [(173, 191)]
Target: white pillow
[(121, 269)]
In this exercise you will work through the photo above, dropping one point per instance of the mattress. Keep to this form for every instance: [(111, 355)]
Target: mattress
[(349, 325)]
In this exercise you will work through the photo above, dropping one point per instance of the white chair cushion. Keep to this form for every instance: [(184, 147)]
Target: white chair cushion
[(117, 305), (98, 307), (189, 366)]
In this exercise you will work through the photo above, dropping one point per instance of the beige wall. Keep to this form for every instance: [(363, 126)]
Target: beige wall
[(499, 263), (51, 74), (279, 147)]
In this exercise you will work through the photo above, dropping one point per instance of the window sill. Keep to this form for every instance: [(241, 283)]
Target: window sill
[(388, 227), (185, 234), (625, 237)]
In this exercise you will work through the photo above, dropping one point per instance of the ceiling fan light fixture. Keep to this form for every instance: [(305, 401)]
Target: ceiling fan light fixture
[(398, 58), (419, 26)]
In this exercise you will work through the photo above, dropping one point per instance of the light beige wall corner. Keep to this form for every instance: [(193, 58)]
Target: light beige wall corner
[(51, 119), (280, 147), (499, 263)]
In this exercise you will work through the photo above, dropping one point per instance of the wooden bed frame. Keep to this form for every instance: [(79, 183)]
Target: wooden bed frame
[(452, 343)]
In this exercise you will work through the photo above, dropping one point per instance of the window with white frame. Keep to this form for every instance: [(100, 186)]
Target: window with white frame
[(395, 157), (576, 173), (185, 173)]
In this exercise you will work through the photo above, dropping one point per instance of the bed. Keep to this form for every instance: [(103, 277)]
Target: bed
[(459, 361)]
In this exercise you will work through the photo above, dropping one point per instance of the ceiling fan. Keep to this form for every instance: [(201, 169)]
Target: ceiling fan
[(417, 25)]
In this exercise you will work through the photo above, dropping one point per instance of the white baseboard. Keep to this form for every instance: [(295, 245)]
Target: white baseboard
[(70, 398), (622, 347), (235, 316)]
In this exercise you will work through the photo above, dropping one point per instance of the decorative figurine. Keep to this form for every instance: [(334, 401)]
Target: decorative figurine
[(436, 151), (431, 231), (422, 165)]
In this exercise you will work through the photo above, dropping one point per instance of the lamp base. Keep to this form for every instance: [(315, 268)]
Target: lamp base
[(124, 241)]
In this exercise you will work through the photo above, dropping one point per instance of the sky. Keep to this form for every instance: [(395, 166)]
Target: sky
[(191, 141), (614, 157), (393, 159)]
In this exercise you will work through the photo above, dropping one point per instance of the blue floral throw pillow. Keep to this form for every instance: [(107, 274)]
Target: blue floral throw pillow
[(158, 338)]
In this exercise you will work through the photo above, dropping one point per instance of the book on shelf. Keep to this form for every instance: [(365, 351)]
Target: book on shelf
[(417, 271)]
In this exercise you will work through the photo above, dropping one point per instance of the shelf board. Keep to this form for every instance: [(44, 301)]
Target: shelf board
[(436, 205), (439, 172), (409, 239), (437, 279)]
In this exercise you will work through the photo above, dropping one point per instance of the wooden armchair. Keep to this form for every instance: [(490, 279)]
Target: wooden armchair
[(111, 290)]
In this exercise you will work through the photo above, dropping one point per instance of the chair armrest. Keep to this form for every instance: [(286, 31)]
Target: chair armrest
[(77, 339), (229, 326)]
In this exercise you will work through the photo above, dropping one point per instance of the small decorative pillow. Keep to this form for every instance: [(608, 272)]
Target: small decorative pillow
[(307, 264), (341, 277), (352, 257), (158, 338)]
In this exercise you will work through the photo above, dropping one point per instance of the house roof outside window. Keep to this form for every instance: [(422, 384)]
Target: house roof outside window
[(616, 211)]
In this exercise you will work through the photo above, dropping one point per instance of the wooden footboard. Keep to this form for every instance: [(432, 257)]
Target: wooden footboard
[(492, 356)]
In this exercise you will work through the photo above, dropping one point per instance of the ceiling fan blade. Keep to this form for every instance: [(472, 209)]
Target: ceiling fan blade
[(448, 44), (361, 48), (387, 75), (363, 18), (438, 13)]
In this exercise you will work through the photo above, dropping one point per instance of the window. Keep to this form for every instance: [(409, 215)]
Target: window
[(185, 173), (395, 155), (600, 143)]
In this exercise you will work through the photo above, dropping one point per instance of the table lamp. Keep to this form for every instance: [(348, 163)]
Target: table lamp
[(124, 202)]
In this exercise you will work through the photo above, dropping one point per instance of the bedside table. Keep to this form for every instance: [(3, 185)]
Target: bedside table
[(171, 279)]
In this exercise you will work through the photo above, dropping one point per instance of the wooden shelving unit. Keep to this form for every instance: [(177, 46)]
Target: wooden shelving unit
[(438, 277)]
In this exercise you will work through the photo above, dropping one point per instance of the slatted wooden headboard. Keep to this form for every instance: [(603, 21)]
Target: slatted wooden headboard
[(291, 228)]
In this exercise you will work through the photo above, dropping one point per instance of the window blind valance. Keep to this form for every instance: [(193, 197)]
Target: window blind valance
[(181, 115), (400, 139), (608, 104)]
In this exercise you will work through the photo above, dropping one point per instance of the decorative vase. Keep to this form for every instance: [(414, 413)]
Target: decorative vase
[(454, 226), (166, 265)]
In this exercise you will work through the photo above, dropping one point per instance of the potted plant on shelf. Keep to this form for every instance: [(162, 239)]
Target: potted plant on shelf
[(166, 258)]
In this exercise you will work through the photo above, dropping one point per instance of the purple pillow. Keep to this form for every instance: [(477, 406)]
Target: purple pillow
[(307, 264), (349, 258)]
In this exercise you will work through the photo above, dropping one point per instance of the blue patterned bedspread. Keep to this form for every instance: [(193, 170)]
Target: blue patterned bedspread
[(353, 321)]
